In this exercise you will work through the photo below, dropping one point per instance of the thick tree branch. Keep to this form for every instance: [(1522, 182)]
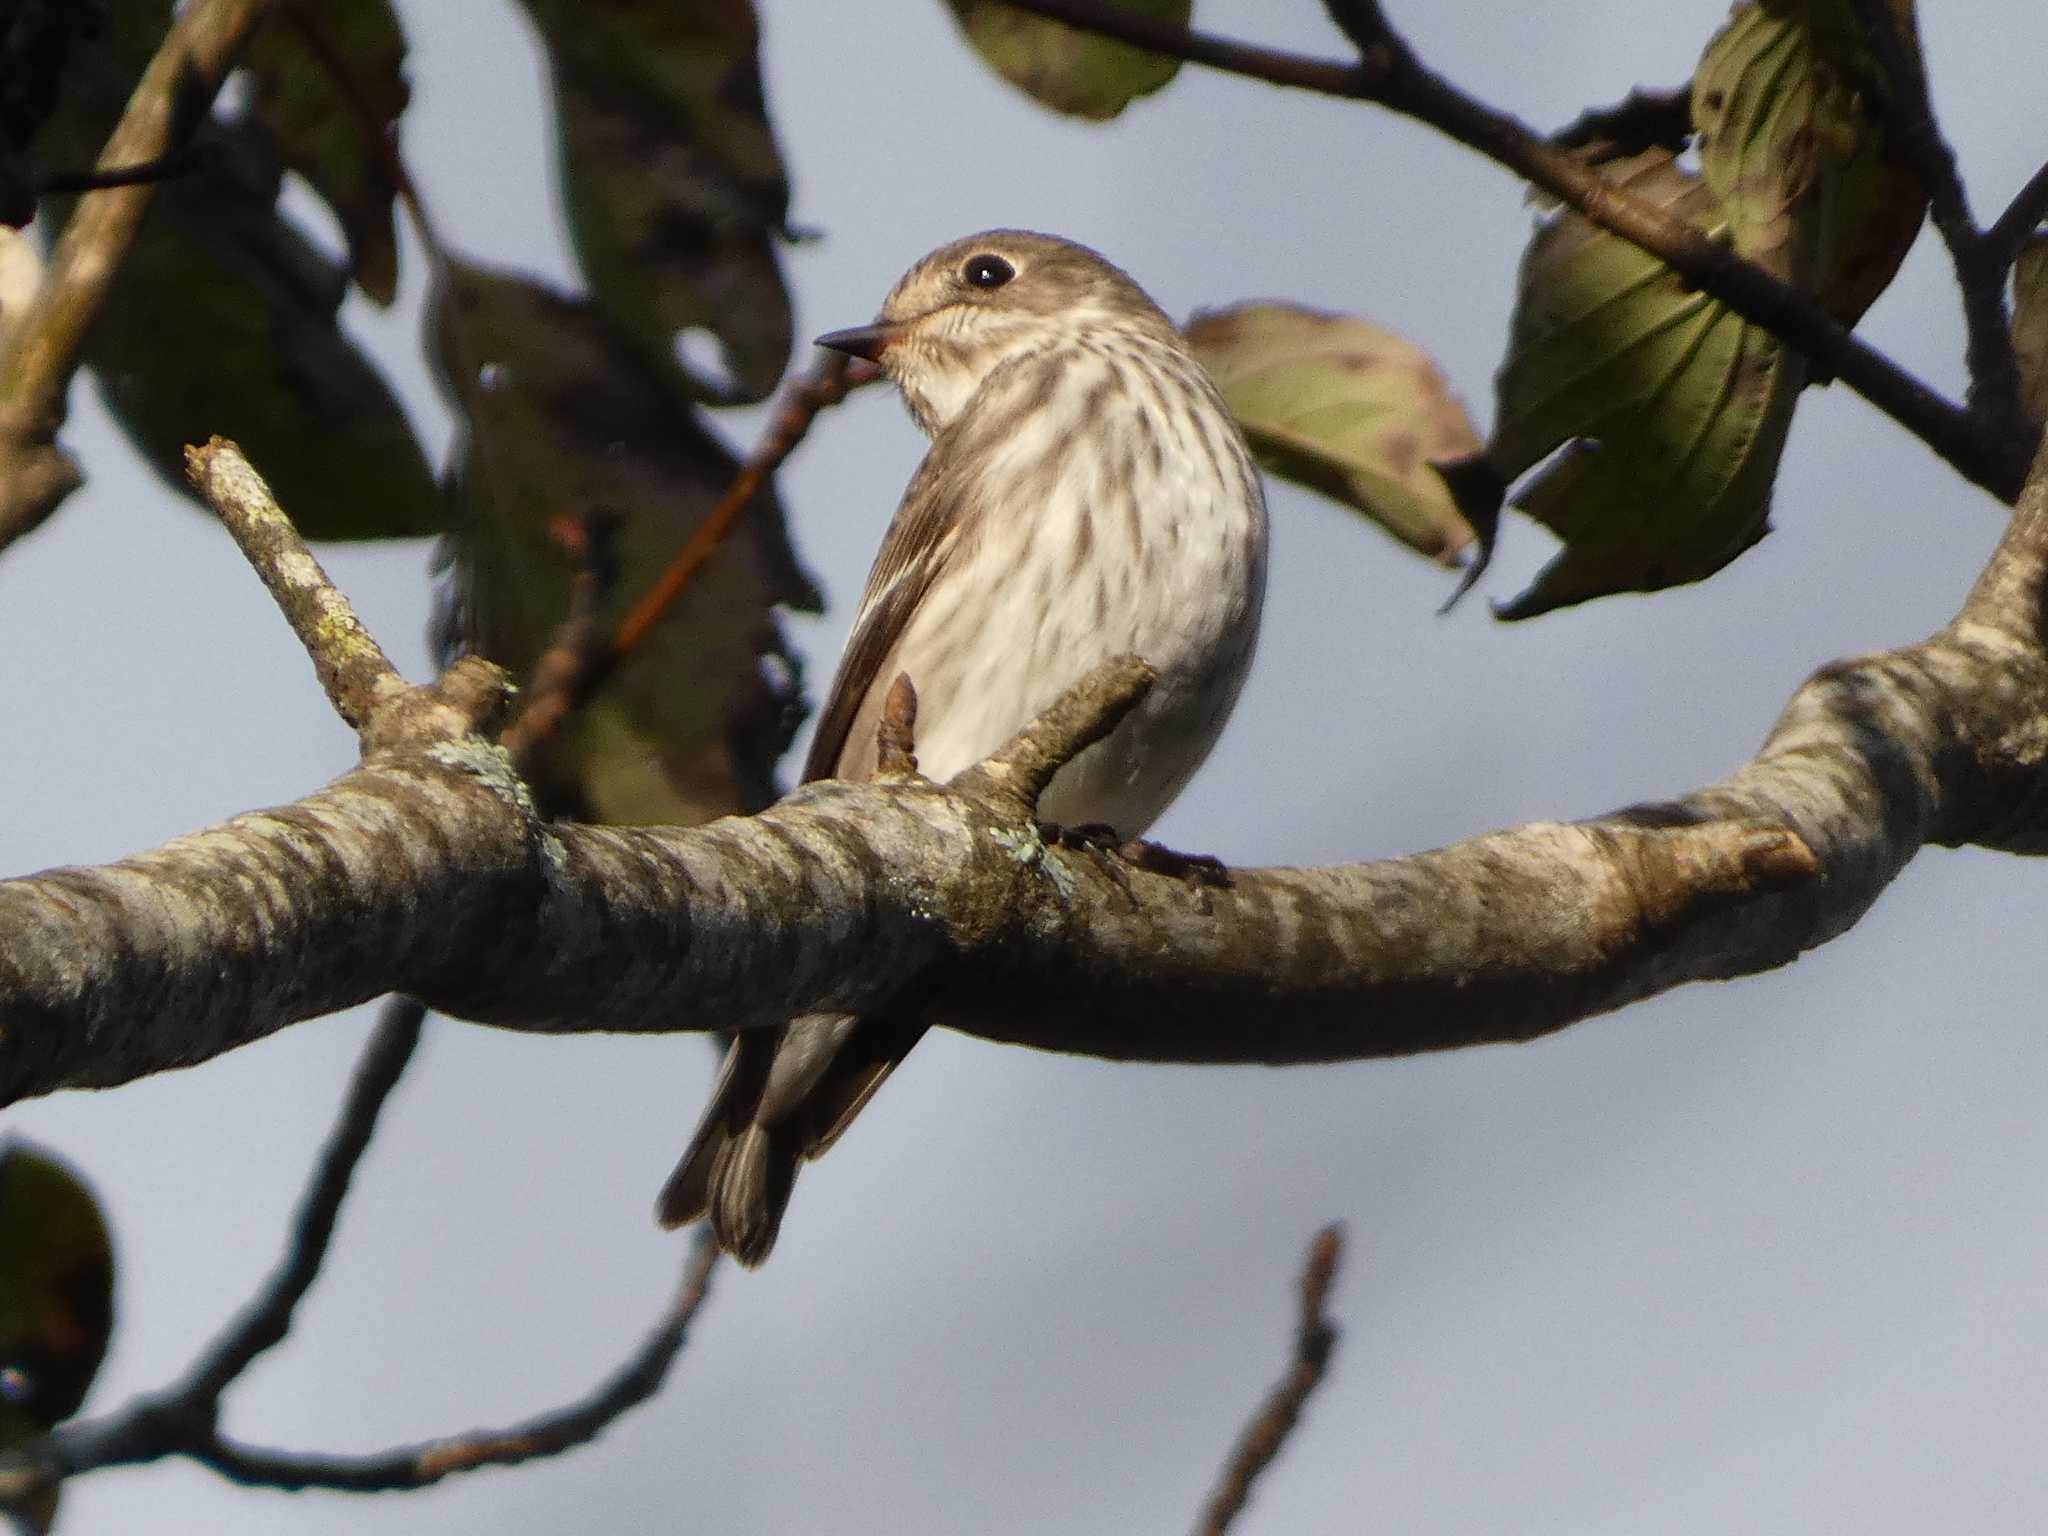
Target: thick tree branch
[(38, 356), (1388, 73), (425, 871)]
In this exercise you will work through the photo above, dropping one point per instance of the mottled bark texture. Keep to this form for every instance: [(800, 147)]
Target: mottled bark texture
[(425, 871)]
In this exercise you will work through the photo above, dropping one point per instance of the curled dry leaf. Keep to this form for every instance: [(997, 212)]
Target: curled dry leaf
[(567, 416), (1346, 408), (1069, 71)]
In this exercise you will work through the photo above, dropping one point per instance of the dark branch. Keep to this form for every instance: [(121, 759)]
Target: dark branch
[(1315, 1336), (182, 1418), (1980, 277), (2022, 216), (179, 162), (548, 1434), (1389, 74)]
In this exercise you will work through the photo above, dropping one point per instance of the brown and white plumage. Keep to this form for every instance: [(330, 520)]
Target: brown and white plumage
[(1086, 494)]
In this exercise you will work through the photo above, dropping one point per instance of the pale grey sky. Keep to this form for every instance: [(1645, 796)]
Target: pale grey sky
[(1759, 1256)]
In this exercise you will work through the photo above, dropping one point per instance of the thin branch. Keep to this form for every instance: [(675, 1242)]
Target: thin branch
[(1980, 277), (1641, 120), (823, 386), (179, 162), (2022, 216), (1389, 74), (548, 1434), (38, 356), (556, 683), (1315, 1336), (183, 1416), (354, 672), (264, 1323)]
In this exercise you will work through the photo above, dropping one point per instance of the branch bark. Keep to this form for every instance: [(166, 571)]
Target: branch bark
[(38, 357), (426, 871)]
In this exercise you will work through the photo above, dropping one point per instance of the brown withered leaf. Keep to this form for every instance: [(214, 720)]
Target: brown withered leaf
[(1346, 408)]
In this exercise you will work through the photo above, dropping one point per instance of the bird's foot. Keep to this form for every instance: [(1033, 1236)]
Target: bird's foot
[(1118, 856)]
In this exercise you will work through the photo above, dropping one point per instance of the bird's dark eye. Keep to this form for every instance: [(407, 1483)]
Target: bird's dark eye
[(987, 271)]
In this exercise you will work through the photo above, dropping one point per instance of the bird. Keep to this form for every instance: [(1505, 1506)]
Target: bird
[(1087, 494)]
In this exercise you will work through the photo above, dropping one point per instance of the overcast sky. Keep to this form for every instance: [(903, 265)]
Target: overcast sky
[(1759, 1256)]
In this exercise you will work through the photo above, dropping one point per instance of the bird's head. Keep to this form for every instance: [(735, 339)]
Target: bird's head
[(971, 306)]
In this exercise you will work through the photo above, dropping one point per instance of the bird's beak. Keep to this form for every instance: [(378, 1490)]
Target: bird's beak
[(868, 341)]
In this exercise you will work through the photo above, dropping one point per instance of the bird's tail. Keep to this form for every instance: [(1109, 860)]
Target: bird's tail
[(784, 1095), (736, 1170)]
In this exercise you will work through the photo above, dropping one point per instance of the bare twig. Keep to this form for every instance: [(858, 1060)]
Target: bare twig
[(1980, 276), (831, 381), (1389, 74), (178, 162), (552, 689), (39, 355), (354, 671), (1314, 1337), (182, 1418), (2022, 216), (549, 1434)]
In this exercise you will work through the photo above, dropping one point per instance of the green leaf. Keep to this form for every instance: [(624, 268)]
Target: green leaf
[(224, 319), (292, 66), (1345, 408), (56, 1289), (1069, 71), (1672, 410), (1791, 145), (676, 192), (569, 416), (2030, 325), (1675, 407)]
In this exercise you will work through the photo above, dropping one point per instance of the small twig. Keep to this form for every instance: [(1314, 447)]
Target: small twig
[(1641, 120), (38, 356), (353, 669), (1314, 1337), (2022, 216), (830, 382), (549, 1434), (896, 731), (1020, 769), (1980, 276), (551, 688), (181, 1419), (1389, 74), (178, 162)]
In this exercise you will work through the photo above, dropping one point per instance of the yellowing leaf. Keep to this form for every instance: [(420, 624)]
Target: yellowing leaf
[(1348, 409), (569, 416), (1069, 71), (675, 190)]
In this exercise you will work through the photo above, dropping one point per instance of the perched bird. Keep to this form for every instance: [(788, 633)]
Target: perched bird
[(1087, 494)]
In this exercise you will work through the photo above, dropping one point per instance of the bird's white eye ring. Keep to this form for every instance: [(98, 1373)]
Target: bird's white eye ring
[(987, 271)]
